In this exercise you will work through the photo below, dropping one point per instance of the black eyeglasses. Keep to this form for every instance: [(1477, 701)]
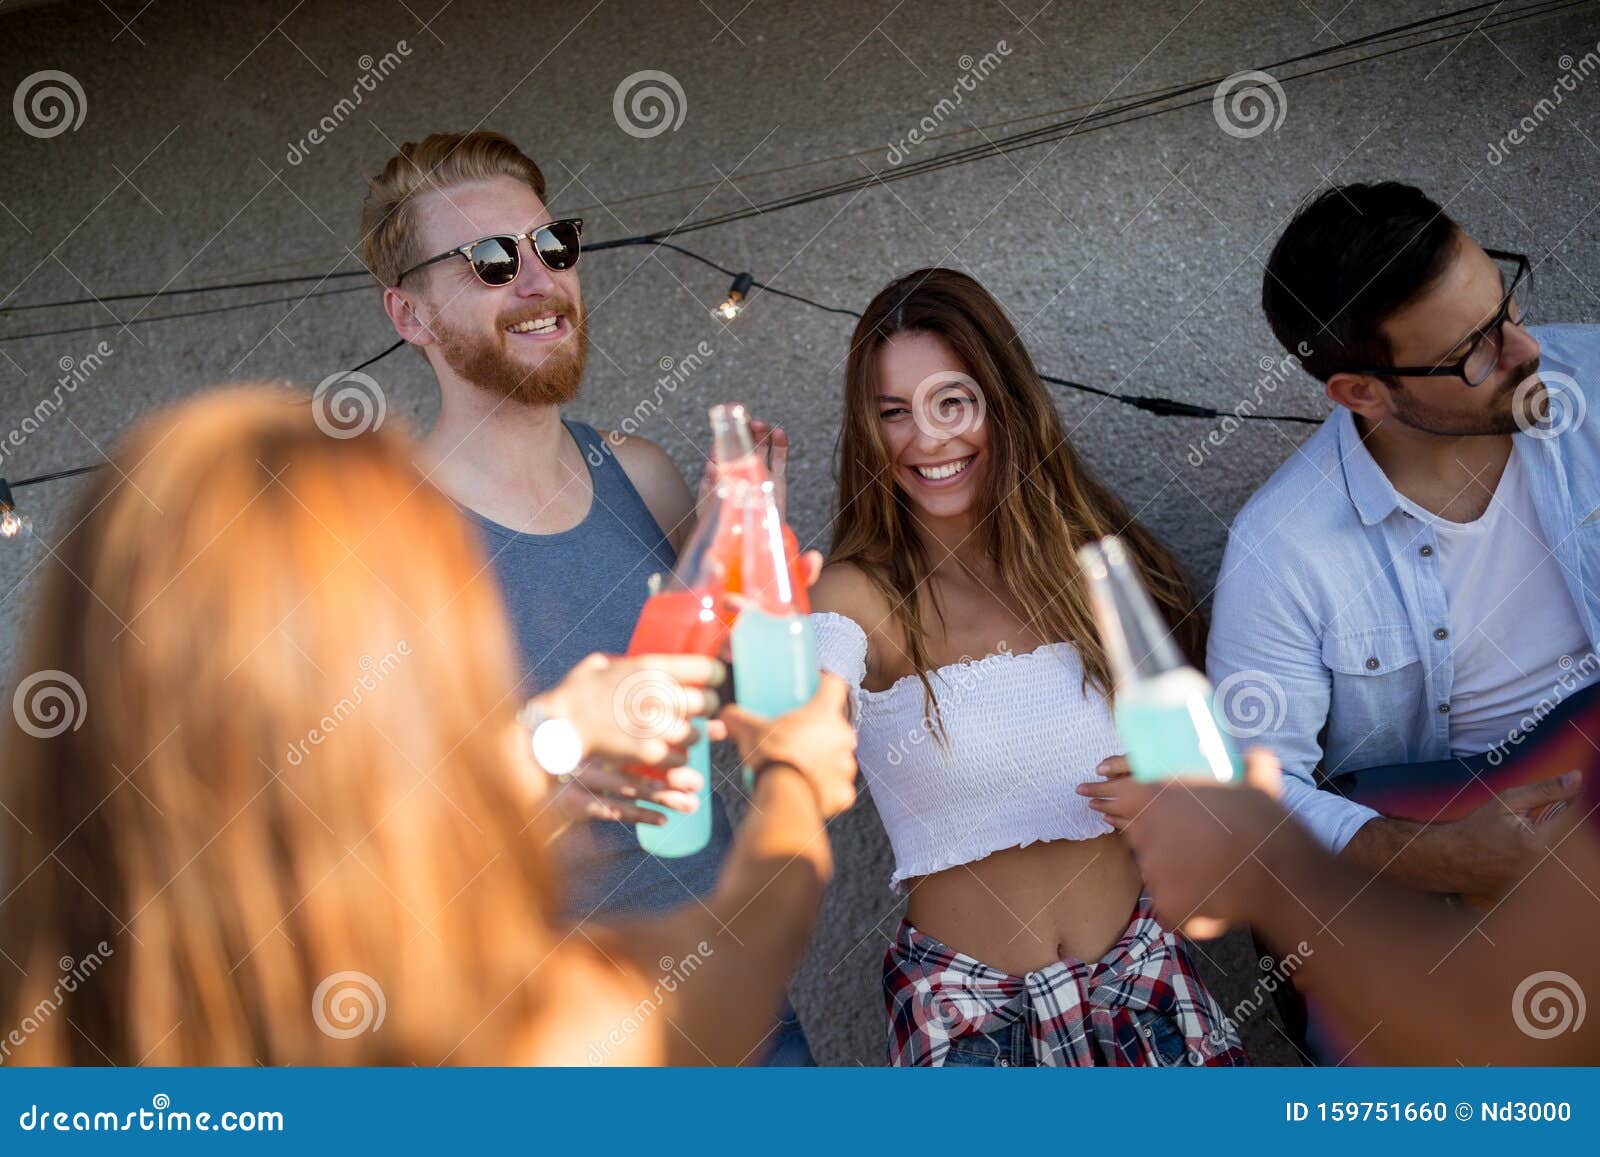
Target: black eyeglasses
[(497, 260), (1516, 274)]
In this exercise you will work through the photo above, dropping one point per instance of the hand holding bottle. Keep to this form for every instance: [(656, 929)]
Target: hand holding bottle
[(815, 740), (1164, 709), (637, 712), (1207, 851)]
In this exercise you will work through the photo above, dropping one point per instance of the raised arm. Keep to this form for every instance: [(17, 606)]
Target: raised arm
[(704, 983), (1404, 978)]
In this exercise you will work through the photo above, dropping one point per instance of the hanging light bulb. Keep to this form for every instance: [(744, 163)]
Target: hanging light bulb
[(12, 524), (734, 305)]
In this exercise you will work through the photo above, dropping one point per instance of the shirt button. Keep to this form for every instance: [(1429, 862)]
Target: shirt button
[(1444, 709), (1372, 663), (1426, 552), (1441, 633)]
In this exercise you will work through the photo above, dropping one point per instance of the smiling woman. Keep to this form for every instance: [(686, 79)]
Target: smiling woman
[(960, 504)]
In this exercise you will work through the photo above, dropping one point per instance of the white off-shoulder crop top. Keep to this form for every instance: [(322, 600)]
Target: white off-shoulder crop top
[(1020, 734)]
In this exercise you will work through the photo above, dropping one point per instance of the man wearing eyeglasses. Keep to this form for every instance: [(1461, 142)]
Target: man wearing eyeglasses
[(1420, 582), (481, 279)]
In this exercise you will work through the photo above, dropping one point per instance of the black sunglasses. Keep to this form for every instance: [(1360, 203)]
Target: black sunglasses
[(497, 260), (1483, 354)]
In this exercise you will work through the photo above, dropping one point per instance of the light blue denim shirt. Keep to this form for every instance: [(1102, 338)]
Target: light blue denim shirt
[(1330, 609)]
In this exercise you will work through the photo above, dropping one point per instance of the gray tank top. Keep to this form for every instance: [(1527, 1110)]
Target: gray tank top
[(569, 595)]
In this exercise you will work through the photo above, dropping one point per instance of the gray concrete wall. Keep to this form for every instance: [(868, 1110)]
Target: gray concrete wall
[(1130, 258)]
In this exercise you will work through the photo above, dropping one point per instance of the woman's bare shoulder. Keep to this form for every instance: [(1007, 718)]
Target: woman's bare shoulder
[(844, 588)]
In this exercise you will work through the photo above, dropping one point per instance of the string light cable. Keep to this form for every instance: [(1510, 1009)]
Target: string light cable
[(1459, 23), (1455, 24), (13, 523)]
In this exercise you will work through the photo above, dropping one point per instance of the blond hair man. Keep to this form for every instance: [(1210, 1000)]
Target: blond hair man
[(481, 278)]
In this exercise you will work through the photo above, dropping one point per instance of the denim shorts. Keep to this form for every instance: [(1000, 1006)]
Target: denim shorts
[(789, 1047), (1010, 1046)]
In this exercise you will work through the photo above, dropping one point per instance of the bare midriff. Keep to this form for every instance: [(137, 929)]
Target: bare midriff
[(1020, 909)]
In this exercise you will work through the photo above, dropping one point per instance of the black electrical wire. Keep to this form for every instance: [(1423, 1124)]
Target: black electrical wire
[(1060, 130), (1110, 117), (723, 269), (1156, 405), (1166, 407), (1456, 19), (120, 324), (152, 294), (59, 474), (379, 357)]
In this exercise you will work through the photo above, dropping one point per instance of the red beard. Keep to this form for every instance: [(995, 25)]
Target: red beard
[(487, 364)]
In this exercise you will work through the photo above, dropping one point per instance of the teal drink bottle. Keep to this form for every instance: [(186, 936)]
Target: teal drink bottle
[(679, 620), (683, 835), (1164, 709), (774, 648), (774, 661)]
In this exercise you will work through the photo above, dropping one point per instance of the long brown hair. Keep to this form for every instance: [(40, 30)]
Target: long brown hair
[(1038, 502), (262, 794)]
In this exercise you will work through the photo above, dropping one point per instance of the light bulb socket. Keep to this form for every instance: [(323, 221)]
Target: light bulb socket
[(733, 304)]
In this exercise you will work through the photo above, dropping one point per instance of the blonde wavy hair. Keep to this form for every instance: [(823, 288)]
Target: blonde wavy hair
[(277, 798), (438, 162)]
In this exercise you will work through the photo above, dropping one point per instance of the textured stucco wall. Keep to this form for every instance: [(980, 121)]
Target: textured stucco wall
[(1130, 258)]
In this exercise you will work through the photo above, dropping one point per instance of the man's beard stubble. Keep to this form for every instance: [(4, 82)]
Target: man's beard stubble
[(486, 364), (1502, 418)]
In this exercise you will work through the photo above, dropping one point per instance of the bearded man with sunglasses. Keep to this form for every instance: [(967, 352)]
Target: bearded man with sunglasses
[(481, 279), (1420, 582)]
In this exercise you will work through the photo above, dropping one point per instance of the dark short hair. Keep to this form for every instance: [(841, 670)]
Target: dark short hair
[(1348, 261)]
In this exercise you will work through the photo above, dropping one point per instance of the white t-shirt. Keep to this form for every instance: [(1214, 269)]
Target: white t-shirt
[(1516, 634)]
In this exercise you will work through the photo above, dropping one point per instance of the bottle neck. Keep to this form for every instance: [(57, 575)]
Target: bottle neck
[(1139, 645), (730, 435), (768, 580)]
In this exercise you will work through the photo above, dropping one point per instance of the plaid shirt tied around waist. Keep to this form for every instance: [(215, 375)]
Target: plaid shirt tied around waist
[(1077, 1013)]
